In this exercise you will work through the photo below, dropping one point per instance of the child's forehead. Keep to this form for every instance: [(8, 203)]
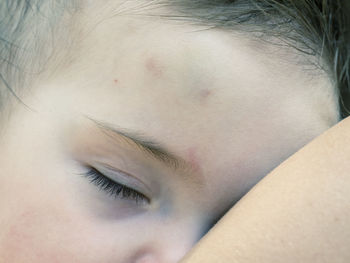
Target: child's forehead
[(164, 49), (177, 69), (179, 60)]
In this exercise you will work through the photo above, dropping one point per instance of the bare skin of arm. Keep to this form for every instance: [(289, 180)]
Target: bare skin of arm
[(300, 212)]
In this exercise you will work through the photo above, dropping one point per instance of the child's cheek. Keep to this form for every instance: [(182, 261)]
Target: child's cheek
[(38, 236), (42, 225)]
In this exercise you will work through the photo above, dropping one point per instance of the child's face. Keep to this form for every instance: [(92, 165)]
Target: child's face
[(228, 108)]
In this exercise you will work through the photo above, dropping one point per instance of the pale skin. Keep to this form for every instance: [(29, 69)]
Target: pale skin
[(227, 111)]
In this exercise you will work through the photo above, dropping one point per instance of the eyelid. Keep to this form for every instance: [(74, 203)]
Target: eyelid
[(124, 178)]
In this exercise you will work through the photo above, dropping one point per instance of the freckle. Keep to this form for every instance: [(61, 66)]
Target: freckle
[(154, 67), (115, 81), (205, 93), (193, 159)]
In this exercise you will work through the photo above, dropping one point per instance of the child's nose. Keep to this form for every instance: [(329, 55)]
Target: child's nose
[(169, 244), (163, 253)]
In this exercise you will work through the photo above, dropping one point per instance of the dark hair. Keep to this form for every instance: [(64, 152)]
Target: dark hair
[(26, 40), (318, 28)]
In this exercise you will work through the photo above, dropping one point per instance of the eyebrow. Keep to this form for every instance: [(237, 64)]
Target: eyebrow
[(147, 145)]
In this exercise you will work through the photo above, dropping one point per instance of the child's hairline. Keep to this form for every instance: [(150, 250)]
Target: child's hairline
[(213, 21)]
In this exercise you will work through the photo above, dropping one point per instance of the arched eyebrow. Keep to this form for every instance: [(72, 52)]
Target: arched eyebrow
[(147, 145)]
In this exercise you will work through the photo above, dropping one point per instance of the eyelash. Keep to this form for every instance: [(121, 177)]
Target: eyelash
[(113, 188)]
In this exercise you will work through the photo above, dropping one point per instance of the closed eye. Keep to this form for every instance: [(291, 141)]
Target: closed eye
[(115, 189)]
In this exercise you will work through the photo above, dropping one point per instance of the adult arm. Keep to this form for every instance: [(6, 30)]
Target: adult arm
[(300, 212)]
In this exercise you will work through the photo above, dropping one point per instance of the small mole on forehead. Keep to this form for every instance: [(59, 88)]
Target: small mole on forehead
[(205, 93), (154, 67)]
